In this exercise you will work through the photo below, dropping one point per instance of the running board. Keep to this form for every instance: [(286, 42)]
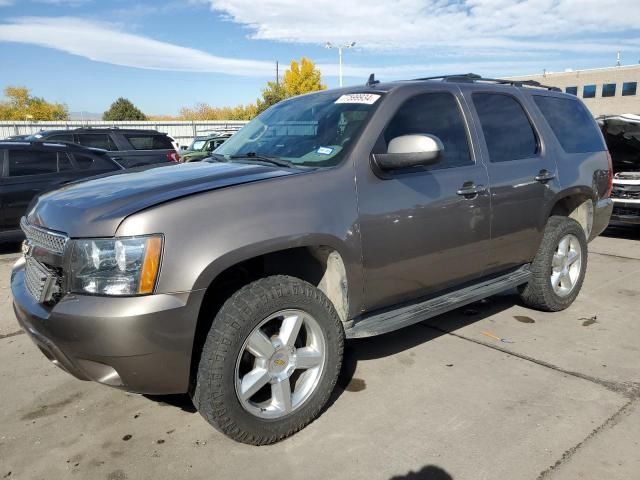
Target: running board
[(379, 323)]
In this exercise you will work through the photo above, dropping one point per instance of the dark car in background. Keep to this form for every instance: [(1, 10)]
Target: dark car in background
[(30, 168), (129, 147), (201, 147)]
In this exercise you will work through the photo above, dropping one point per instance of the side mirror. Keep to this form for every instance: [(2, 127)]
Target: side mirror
[(410, 151)]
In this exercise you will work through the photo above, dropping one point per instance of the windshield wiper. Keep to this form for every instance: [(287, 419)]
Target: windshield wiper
[(262, 158)]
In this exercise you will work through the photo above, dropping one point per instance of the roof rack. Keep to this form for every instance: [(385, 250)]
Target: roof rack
[(474, 77)]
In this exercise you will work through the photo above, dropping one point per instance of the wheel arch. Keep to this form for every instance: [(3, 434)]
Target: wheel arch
[(576, 203), (322, 261)]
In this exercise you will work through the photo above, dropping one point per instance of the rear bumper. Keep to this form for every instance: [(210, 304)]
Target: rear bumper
[(626, 212), (601, 216), (140, 344)]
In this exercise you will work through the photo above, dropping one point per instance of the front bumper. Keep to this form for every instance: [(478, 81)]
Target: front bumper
[(140, 344), (626, 212), (601, 215)]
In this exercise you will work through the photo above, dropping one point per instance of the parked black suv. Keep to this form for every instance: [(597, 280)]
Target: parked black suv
[(30, 168), (339, 214), (130, 148)]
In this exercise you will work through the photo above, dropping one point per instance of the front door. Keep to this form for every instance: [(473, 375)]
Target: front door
[(427, 228)]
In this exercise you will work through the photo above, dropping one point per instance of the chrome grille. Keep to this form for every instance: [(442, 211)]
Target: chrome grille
[(40, 283), (52, 241)]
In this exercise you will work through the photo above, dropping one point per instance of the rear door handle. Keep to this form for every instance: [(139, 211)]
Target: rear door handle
[(545, 176), (471, 190)]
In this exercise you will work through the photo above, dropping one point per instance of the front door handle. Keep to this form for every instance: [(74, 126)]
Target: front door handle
[(544, 176), (471, 190)]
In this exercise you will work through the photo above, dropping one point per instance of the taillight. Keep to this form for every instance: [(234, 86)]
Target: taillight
[(173, 156), (610, 184)]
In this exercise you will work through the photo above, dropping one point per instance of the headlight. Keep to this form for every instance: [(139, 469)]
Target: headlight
[(115, 266)]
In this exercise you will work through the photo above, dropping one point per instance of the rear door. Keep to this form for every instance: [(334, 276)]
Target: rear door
[(522, 174), (424, 230), (27, 173)]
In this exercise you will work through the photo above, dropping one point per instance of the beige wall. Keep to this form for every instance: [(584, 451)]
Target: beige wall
[(598, 105)]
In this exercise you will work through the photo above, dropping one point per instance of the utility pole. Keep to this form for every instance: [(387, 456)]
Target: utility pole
[(277, 73), (340, 47)]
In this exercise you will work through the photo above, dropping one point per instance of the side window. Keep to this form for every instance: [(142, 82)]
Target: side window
[(85, 162), (435, 114), (32, 162), (150, 142), (571, 123), (506, 127), (96, 140), (62, 137)]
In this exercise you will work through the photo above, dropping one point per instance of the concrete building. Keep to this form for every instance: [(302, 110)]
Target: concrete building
[(606, 91)]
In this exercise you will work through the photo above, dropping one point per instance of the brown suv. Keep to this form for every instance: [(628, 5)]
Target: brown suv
[(339, 214)]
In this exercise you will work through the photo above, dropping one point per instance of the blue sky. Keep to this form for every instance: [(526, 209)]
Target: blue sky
[(165, 54)]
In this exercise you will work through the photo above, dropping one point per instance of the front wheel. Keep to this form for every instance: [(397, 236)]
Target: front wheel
[(270, 361), (558, 270)]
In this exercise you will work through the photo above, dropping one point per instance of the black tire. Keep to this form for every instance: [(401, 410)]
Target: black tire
[(215, 395), (539, 293)]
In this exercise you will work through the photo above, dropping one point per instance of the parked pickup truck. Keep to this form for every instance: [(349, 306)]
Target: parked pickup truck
[(339, 214)]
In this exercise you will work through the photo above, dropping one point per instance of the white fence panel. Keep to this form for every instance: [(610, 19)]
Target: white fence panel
[(181, 131)]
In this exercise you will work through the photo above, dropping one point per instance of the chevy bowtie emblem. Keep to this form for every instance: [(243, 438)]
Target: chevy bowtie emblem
[(279, 362)]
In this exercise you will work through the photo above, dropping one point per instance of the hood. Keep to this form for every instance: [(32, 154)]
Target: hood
[(95, 207), (622, 133)]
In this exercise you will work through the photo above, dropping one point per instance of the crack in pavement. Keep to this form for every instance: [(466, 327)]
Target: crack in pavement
[(608, 423), (12, 334), (630, 390)]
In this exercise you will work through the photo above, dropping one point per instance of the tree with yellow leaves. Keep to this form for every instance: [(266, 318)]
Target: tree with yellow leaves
[(302, 77), (20, 105)]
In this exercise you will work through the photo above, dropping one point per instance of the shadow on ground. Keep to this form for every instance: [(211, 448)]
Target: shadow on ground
[(9, 247), (430, 472), (395, 342), (628, 232)]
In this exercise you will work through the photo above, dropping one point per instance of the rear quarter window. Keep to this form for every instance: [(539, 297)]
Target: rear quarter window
[(86, 162), (150, 142), (571, 123)]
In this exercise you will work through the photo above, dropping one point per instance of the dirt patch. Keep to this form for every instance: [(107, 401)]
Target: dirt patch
[(356, 385), (52, 409), (523, 319)]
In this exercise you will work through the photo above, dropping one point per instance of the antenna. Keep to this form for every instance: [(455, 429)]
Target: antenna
[(372, 80), (618, 59)]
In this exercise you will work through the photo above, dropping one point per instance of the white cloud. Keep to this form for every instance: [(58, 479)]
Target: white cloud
[(409, 25), (71, 3), (108, 43), (6, 3)]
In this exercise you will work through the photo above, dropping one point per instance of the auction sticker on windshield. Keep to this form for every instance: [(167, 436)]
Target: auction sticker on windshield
[(366, 98)]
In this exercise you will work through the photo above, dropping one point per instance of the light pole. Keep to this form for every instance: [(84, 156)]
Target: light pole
[(340, 47)]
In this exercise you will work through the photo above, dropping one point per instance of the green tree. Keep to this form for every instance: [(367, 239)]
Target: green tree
[(20, 105), (271, 94), (122, 109)]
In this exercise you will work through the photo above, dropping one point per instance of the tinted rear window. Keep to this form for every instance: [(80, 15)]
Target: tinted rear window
[(32, 162), (150, 142), (506, 127), (96, 140), (572, 124)]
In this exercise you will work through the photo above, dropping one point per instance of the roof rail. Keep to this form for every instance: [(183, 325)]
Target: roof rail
[(474, 77)]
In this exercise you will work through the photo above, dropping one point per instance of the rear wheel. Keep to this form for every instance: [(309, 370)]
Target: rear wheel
[(558, 270), (270, 361)]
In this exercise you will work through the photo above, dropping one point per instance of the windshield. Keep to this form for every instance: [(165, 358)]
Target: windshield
[(313, 130), (197, 145)]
